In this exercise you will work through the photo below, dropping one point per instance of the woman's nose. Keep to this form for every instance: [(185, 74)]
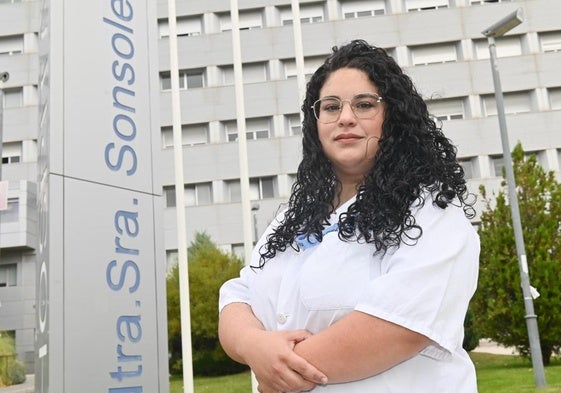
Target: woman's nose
[(347, 114)]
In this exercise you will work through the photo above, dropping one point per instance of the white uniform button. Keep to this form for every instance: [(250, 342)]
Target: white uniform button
[(281, 318)]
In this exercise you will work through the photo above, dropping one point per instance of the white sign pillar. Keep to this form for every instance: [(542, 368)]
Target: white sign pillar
[(101, 314)]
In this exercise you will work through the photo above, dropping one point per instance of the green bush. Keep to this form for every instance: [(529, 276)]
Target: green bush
[(16, 373), (214, 362), (12, 371), (209, 268)]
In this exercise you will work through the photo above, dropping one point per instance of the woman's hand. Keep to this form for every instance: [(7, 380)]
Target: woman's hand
[(270, 355), (277, 368)]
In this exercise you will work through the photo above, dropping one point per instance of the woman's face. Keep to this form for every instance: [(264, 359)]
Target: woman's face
[(350, 142)]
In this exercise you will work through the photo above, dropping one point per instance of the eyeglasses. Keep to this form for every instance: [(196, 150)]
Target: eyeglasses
[(364, 106)]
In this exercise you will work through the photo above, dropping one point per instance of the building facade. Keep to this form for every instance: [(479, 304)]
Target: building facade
[(438, 43)]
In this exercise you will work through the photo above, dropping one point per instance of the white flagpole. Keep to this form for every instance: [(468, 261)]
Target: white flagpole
[(242, 141), (184, 301), (298, 51)]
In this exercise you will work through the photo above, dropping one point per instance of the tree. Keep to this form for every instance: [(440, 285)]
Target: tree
[(498, 303), (471, 335), (209, 268)]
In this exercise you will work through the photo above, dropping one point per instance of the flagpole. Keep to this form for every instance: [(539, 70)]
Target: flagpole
[(242, 142), (298, 51), (184, 301)]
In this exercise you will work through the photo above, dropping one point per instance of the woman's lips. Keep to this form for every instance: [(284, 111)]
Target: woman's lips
[(347, 137)]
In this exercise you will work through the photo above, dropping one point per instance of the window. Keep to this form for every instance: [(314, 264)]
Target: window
[(435, 53), (11, 44), (233, 191), (194, 194), (422, 5), (539, 156), (289, 68), (311, 64), (13, 97), (191, 135), (514, 102), (448, 109), (195, 78), (506, 46), (11, 214), (468, 167), (238, 249), (253, 72), (554, 97), (188, 79), (293, 124), (292, 179), (172, 259), (11, 152), (248, 20), (498, 164), (227, 72), (165, 80), (262, 188), (550, 41), (257, 128), (169, 196), (8, 275), (259, 188), (358, 9), (198, 194), (309, 13), (185, 26)]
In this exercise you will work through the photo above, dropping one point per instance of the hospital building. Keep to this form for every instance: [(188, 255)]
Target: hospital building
[(439, 43)]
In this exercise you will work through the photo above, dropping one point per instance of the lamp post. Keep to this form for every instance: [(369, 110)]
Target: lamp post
[(4, 76), (497, 30)]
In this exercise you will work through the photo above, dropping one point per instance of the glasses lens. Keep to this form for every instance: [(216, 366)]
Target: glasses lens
[(365, 106), (327, 109)]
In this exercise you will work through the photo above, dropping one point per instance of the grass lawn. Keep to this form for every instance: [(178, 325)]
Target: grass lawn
[(513, 374), (495, 374), (237, 383)]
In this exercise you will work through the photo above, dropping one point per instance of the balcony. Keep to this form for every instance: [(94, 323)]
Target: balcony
[(18, 224)]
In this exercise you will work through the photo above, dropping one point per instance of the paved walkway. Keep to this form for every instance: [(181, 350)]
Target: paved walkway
[(27, 387), (487, 346)]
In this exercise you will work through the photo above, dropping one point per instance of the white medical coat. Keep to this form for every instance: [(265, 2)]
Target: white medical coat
[(425, 287)]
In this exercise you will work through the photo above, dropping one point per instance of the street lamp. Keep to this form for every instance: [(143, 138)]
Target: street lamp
[(4, 76), (496, 30)]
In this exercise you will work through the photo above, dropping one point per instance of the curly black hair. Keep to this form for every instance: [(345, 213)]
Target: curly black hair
[(413, 156)]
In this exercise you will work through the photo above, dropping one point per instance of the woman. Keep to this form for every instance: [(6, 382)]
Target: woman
[(363, 282)]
